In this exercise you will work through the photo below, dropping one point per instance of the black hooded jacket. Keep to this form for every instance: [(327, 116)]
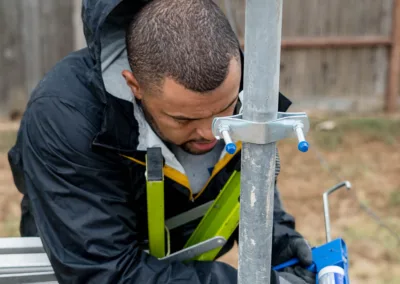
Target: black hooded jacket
[(82, 195)]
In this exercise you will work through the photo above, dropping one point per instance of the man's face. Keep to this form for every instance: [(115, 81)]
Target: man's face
[(183, 117)]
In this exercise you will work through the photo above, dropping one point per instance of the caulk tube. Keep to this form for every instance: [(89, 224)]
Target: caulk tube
[(331, 275)]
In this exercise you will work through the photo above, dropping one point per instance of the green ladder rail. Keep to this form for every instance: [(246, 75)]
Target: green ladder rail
[(221, 219), (216, 226), (155, 201)]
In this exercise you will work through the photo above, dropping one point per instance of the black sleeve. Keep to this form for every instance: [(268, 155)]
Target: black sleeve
[(80, 205)]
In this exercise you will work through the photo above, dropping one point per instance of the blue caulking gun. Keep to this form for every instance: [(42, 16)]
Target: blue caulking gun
[(330, 261)]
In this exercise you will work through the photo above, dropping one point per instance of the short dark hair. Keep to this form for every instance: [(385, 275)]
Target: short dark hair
[(190, 41)]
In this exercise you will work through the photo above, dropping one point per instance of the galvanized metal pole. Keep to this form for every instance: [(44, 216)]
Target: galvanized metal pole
[(261, 87)]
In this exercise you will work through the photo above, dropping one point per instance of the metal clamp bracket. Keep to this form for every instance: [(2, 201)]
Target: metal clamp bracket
[(287, 125)]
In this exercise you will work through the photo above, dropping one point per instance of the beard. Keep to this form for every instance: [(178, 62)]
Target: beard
[(151, 121)]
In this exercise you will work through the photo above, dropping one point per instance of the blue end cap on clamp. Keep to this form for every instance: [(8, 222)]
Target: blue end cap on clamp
[(230, 148), (303, 146)]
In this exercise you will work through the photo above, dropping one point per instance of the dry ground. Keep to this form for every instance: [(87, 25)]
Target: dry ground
[(9, 196), (364, 151), (367, 153)]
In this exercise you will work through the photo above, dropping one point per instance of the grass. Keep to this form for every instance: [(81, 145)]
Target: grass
[(365, 151), (394, 199), (371, 129)]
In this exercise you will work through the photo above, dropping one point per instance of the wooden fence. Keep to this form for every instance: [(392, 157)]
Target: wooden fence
[(340, 55), (34, 34)]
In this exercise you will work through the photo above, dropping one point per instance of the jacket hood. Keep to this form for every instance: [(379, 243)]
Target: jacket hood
[(101, 18), (104, 24)]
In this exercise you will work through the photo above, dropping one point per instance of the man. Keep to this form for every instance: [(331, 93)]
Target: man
[(154, 75)]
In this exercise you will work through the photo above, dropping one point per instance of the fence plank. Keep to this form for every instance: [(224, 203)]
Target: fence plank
[(11, 59), (35, 34), (31, 43), (57, 37), (344, 78), (79, 37), (393, 90)]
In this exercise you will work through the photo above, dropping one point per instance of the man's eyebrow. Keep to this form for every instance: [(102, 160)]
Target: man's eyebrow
[(180, 117)]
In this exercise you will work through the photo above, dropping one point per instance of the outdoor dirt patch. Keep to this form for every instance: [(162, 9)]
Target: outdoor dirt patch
[(9, 201), (367, 153)]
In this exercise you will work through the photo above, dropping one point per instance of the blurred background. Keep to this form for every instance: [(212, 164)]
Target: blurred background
[(340, 62)]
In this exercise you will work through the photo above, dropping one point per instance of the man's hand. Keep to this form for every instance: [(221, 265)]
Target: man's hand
[(293, 247), (287, 248), (288, 276), (296, 247)]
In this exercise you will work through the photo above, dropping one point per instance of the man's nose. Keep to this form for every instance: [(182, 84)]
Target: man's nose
[(205, 131)]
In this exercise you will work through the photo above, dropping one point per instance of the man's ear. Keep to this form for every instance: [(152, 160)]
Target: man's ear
[(133, 84)]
